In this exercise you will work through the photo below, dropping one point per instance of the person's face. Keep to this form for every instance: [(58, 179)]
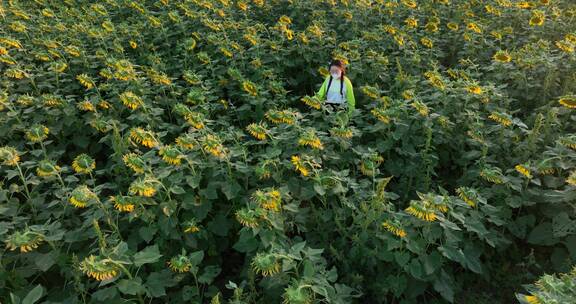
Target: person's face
[(335, 71)]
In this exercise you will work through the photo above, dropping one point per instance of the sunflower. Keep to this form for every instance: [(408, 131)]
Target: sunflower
[(309, 138), (86, 81), (502, 56), (474, 89), (394, 228), (213, 144), (524, 170), (572, 178), (143, 187), (537, 18), (185, 142), (122, 203), (99, 268), (501, 118), (381, 114), (341, 132), (180, 263), (568, 101), (9, 156), (312, 102), (468, 195), (143, 137), (269, 199), (47, 168), (531, 299), (83, 164), (134, 162), (131, 100), (427, 42), (37, 133), (191, 226), (297, 294), (266, 264), (420, 211), (411, 22), (25, 241), (86, 105), (249, 87), (492, 174), (82, 196), (171, 155), (259, 130), (248, 217), (284, 116), (299, 165), (452, 26), (421, 107)]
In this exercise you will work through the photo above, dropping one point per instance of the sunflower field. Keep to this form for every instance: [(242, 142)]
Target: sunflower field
[(163, 151)]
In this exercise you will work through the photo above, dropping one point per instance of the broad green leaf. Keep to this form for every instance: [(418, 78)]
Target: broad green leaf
[(149, 255)]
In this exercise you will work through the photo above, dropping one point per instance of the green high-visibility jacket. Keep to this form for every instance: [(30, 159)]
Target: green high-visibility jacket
[(321, 94)]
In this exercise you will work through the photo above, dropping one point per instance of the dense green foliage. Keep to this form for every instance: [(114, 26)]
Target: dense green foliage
[(170, 152)]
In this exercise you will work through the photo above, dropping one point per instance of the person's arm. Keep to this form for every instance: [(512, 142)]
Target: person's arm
[(321, 94), (350, 96)]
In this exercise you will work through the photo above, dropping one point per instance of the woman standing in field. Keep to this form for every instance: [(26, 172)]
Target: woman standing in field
[(337, 91)]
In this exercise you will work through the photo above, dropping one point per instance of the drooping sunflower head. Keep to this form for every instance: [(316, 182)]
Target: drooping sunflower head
[(269, 198), (420, 211), (47, 168), (82, 197), (468, 195), (312, 102), (134, 162), (297, 294), (25, 241), (258, 130), (248, 217), (502, 56), (171, 155), (568, 101), (266, 264), (131, 100), (122, 203), (37, 133), (212, 144), (180, 263), (99, 268), (9, 156), (395, 228), (191, 226), (523, 169), (144, 137), (571, 180), (185, 142), (146, 187), (309, 138), (492, 174)]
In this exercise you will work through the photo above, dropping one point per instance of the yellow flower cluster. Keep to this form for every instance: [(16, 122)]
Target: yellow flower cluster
[(394, 229)]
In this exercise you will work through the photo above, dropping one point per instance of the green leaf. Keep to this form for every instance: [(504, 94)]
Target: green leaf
[(105, 294), (147, 233), (542, 235), (34, 295), (131, 287), (149, 255), (247, 242), (432, 262), (219, 225), (196, 257), (443, 284), (562, 225), (157, 282), (44, 261), (231, 188), (210, 272)]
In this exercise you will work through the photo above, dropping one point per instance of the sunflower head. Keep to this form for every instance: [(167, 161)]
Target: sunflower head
[(122, 203), (9, 156), (37, 133), (47, 168), (266, 264), (99, 268), (83, 164), (25, 241), (180, 263), (82, 197)]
